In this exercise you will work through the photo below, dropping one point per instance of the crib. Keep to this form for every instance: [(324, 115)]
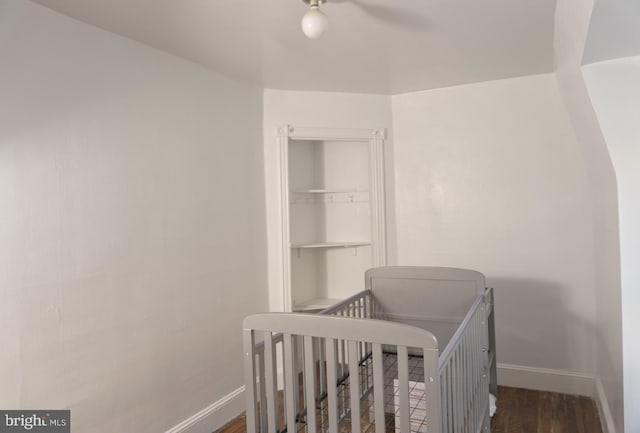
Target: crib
[(413, 352)]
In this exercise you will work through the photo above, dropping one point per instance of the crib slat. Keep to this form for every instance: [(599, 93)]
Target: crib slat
[(403, 388), (272, 389), (469, 376), (446, 403), (474, 382), (289, 382), (295, 347), (354, 386), (444, 397), (310, 383), (452, 394), (476, 365), (250, 375), (343, 372), (457, 392), (471, 416), (322, 388), (378, 387), (452, 371), (366, 307), (332, 380), (431, 391), (446, 418), (465, 382), (263, 393), (462, 389), (469, 397)]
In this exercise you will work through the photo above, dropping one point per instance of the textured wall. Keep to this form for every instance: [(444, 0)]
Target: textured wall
[(131, 225), (614, 88), (488, 177), (572, 26)]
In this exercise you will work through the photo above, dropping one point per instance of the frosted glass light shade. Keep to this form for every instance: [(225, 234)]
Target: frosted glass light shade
[(314, 23)]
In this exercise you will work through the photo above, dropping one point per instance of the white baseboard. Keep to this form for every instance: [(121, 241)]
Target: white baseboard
[(544, 379), (606, 419), (213, 416)]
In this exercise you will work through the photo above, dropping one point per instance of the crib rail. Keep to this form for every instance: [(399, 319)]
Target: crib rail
[(463, 372), (360, 305), (333, 344)]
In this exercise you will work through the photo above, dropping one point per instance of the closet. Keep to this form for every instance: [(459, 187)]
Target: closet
[(332, 212)]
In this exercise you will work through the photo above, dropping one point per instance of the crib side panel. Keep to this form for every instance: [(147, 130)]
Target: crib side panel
[(464, 374), (332, 374)]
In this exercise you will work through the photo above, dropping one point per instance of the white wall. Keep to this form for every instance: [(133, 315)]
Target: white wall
[(319, 109), (572, 27), (614, 87), (487, 177), (131, 225)]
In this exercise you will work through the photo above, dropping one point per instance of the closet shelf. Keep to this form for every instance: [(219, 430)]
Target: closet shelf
[(331, 245)]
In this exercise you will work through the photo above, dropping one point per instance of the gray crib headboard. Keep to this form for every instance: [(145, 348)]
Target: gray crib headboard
[(424, 291)]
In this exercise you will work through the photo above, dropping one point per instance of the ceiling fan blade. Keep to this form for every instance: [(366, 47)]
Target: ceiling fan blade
[(391, 14)]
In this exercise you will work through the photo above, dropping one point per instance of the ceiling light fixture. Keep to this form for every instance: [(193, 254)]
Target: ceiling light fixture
[(314, 22)]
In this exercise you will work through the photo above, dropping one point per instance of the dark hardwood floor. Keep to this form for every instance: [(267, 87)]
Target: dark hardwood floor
[(526, 411), (238, 425), (522, 411)]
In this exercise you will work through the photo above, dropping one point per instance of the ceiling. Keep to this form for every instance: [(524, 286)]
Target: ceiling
[(614, 31), (372, 46)]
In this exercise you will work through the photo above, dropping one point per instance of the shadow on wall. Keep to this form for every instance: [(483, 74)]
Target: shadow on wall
[(538, 325)]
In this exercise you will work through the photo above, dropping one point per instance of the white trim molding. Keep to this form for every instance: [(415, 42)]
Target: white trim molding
[(606, 419), (545, 379), (214, 416)]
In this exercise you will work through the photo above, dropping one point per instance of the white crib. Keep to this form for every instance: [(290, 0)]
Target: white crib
[(373, 362)]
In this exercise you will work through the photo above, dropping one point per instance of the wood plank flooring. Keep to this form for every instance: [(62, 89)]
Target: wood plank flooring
[(526, 411), (522, 411)]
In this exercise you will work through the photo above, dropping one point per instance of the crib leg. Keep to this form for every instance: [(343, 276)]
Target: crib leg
[(493, 374)]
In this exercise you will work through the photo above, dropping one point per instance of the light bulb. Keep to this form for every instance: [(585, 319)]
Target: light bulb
[(314, 23)]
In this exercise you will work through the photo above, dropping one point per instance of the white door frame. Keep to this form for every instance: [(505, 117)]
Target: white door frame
[(375, 138)]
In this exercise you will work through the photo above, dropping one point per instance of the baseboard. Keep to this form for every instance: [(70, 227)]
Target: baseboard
[(544, 379), (606, 419), (213, 416)]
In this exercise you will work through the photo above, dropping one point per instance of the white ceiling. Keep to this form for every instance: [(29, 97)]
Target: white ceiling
[(372, 46), (614, 31)]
